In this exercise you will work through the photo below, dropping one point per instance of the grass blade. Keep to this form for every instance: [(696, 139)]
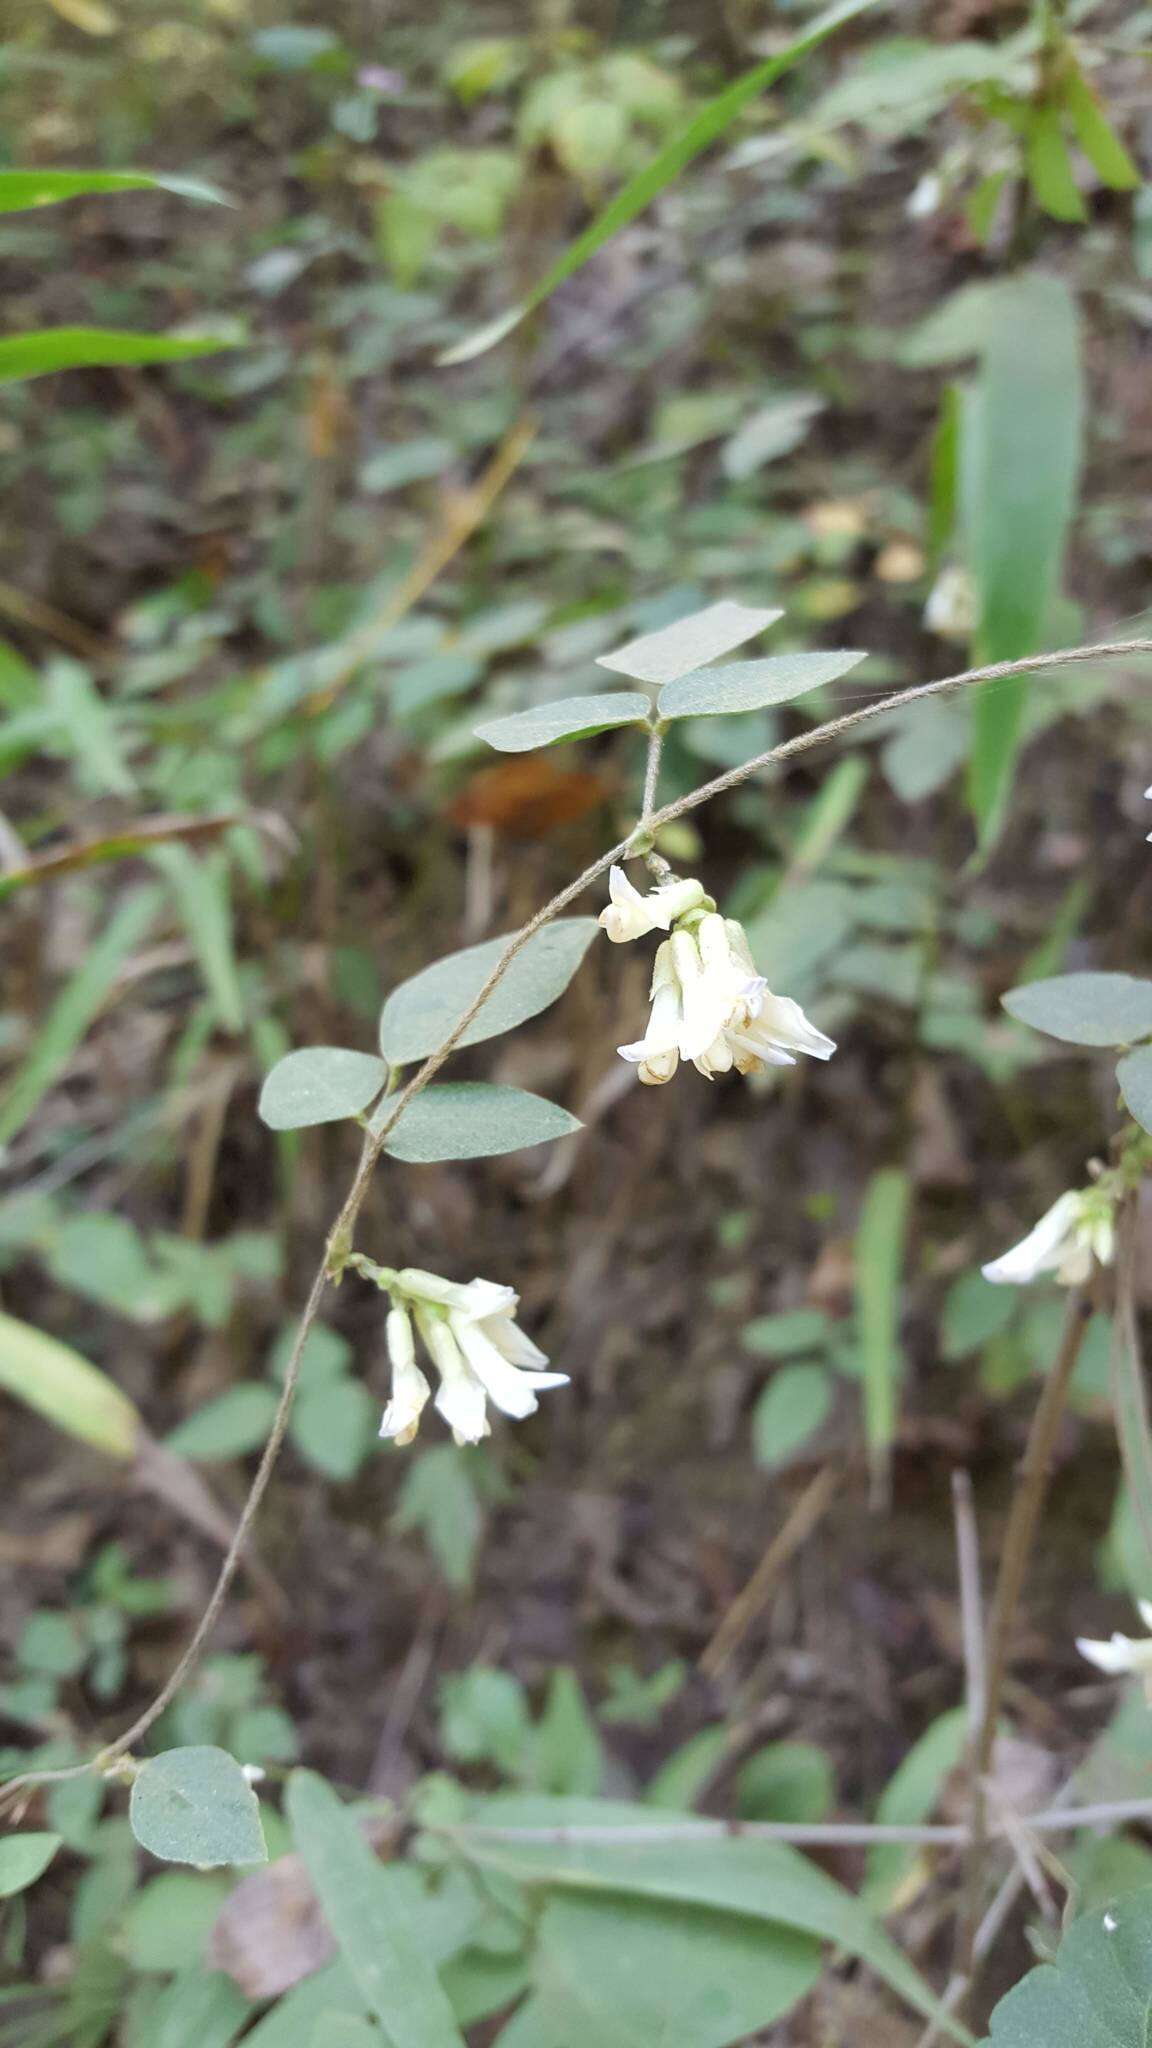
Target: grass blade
[(880, 1238)]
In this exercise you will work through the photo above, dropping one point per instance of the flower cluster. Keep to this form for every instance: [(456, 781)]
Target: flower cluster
[(709, 1004), (477, 1347), (1078, 1231)]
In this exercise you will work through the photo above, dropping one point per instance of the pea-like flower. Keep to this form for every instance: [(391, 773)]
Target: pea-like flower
[(631, 915), (1077, 1231), (1123, 1654), (710, 1006), (479, 1350)]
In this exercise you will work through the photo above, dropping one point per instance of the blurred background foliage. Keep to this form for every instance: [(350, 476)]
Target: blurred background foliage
[(879, 358)]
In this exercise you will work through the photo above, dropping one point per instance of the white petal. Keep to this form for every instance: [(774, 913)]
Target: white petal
[(430, 1287), (663, 1033), (782, 1021), (511, 1389), (488, 1298), (1144, 1608), (1113, 1657), (1043, 1248), (512, 1342), (460, 1396), (410, 1389), (661, 1067), (629, 915)]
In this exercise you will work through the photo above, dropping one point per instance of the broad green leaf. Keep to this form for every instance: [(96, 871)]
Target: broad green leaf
[(234, 1423), (438, 1496), (974, 1310), (168, 1923), (786, 1781), (879, 1259), (391, 1966), (79, 348), (24, 1858), (203, 892), (1050, 168), (474, 1120), (88, 724), (319, 1085), (675, 650), (639, 192), (567, 1752), (783, 1336), (1085, 1009), (750, 685), (419, 1015), (629, 1973), (66, 1389), (1094, 132), (1134, 1074), (1021, 464), (330, 1994), (196, 1806), (333, 1426), (908, 1799), (766, 1881), (75, 1008), (684, 1776), (569, 718), (1097, 1994), (795, 1404), (201, 2009), (22, 189)]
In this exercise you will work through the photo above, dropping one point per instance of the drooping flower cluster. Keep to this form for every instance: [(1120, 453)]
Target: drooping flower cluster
[(1077, 1231), (479, 1351), (1123, 1654), (709, 1003)]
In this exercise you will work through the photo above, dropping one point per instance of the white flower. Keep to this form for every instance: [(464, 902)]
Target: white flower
[(1074, 1232), (410, 1389), (710, 1006), (1123, 1654), (631, 915), (477, 1347), (952, 610)]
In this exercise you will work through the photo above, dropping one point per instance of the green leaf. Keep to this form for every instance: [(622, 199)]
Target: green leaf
[(750, 685), (568, 1755), (333, 1426), (196, 1806), (878, 1258), (66, 1389), (319, 1085), (168, 1923), (1134, 1074), (24, 1858), (75, 1008), (89, 726), (684, 1776), (674, 651), (1085, 1009), (78, 348), (569, 718), (1097, 1994), (908, 1799), (438, 1497), (795, 1404), (475, 1120), (234, 1423), (1050, 168), (785, 1781), (20, 190), (392, 1969), (203, 892), (203, 2007), (782, 1336), (419, 1015), (765, 1881), (627, 1973), (1094, 132), (974, 1310), (710, 123), (1021, 465)]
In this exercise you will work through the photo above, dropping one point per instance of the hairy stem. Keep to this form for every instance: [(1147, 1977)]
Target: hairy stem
[(339, 1242), (1019, 1537)]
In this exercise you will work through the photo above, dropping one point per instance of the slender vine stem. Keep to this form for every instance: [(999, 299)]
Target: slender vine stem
[(1019, 1537), (339, 1241)]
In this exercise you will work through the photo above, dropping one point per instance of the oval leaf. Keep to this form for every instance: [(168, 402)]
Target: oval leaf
[(79, 348), (59, 1384), (794, 1405), (318, 1086), (1097, 1994), (1134, 1074), (419, 1015), (750, 685), (235, 1422), (475, 1120), (569, 718), (196, 1806), (24, 1858), (1085, 1009), (691, 641), (20, 190)]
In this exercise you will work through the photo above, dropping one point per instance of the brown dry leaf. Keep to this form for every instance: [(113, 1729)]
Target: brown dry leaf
[(527, 798), (271, 1932)]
